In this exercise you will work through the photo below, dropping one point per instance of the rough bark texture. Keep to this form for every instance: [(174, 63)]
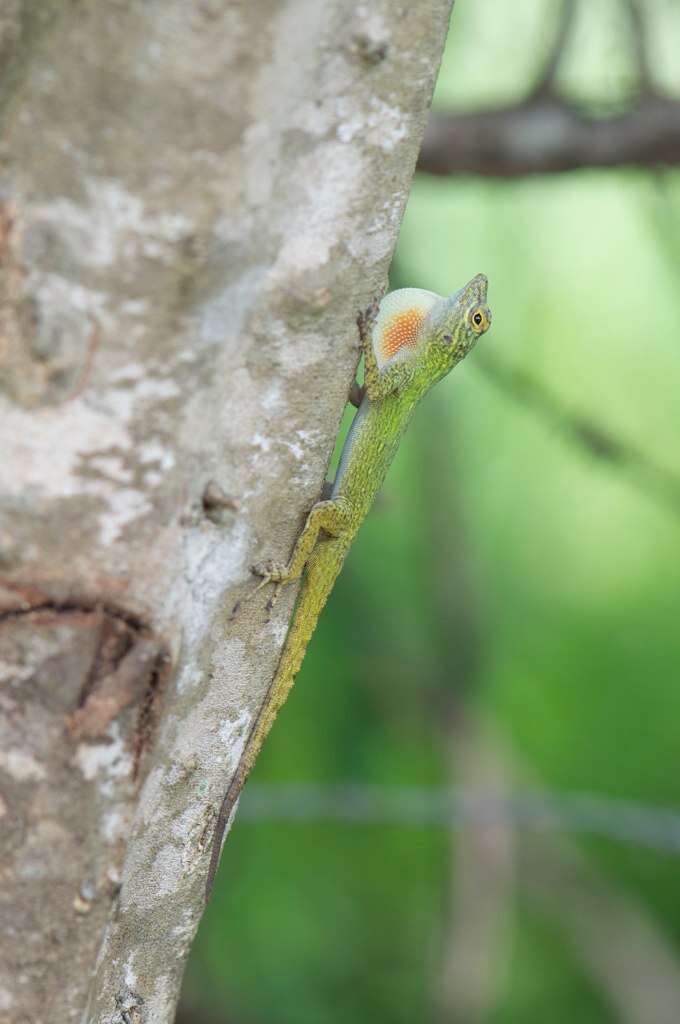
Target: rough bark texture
[(195, 201)]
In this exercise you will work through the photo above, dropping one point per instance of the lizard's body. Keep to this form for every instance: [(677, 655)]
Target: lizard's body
[(417, 338)]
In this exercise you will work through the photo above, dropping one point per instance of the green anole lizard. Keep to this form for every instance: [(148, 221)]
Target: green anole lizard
[(416, 339)]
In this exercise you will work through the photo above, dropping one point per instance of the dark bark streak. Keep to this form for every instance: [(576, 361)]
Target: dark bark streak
[(131, 664)]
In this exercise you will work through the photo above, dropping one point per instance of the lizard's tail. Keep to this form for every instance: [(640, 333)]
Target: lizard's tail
[(322, 571)]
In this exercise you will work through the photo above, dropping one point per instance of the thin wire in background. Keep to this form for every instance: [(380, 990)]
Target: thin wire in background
[(657, 828)]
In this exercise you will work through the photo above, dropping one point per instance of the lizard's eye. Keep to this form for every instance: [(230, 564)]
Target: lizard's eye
[(479, 321)]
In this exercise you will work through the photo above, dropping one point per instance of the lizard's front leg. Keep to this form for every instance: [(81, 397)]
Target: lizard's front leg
[(365, 322), (332, 517)]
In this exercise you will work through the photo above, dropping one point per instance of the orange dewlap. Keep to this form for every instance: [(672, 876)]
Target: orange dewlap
[(400, 331)]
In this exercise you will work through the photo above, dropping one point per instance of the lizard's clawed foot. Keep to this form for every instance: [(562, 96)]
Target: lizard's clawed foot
[(270, 572), (366, 317)]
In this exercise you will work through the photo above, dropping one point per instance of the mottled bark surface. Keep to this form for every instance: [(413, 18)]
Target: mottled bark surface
[(195, 202)]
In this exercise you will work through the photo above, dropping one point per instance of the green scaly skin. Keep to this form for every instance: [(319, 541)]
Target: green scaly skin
[(447, 333)]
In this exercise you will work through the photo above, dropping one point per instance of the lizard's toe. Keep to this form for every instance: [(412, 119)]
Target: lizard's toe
[(272, 572), (262, 569)]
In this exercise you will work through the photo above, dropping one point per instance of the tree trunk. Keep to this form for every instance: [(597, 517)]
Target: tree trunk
[(196, 199)]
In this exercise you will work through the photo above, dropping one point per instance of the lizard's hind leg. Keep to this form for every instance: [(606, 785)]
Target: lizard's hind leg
[(332, 517)]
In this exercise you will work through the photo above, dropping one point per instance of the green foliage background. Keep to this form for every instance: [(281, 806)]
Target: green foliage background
[(508, 585)]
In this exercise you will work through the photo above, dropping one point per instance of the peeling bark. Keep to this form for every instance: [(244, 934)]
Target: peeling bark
[(195, 202)]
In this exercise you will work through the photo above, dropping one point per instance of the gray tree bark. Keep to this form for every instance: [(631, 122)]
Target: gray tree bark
[(196, 199)]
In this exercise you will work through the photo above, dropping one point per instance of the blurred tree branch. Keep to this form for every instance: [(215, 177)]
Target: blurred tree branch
[(477, 904), (612, 934), (637, 25), (546, 133), (566, 16), (652, 479)]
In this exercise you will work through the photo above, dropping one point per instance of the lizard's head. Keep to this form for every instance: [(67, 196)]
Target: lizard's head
[(456, 323), (419, 336)]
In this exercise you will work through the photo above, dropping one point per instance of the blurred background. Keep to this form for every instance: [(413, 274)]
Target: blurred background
[(469, 811)]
